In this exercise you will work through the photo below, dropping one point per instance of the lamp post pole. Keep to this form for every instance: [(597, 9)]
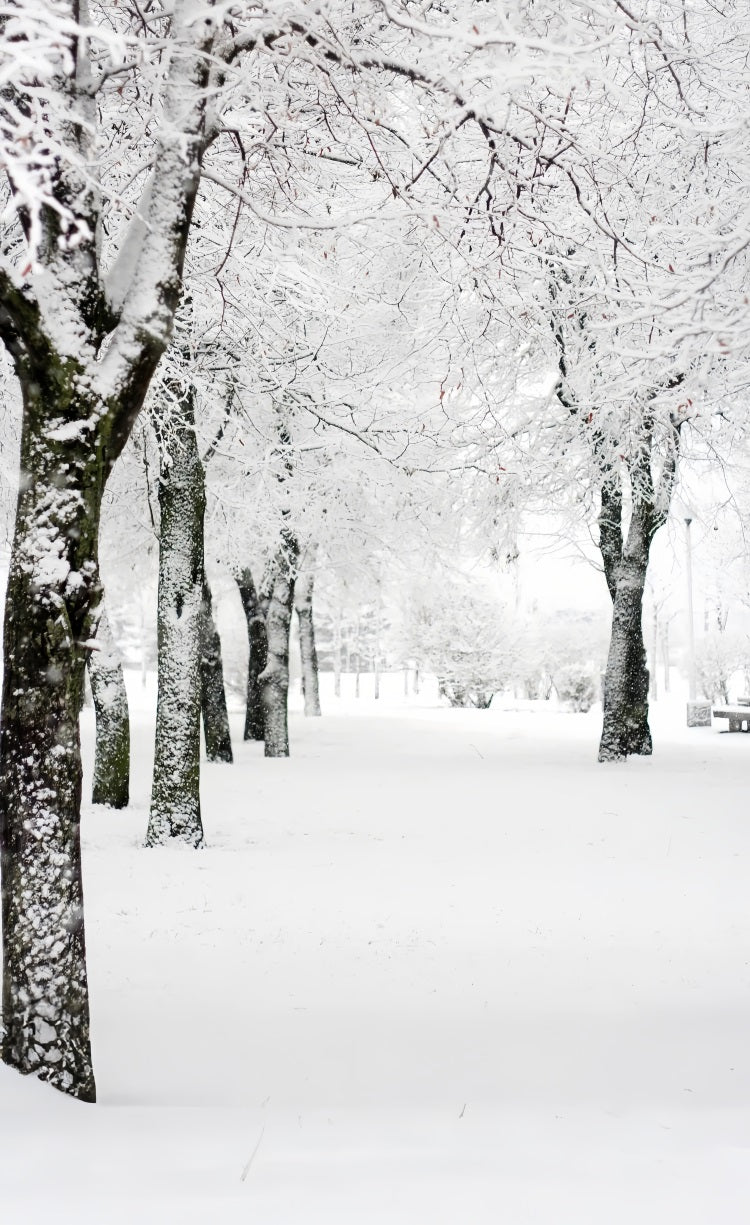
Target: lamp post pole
[(691, 627)]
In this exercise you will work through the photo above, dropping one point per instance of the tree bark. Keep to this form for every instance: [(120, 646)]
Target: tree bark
[(213, 696), (277, 598), (303, 602), (256, 638), (53, 588), (78, 414), (175, 795), (625, 726), (112, 754)]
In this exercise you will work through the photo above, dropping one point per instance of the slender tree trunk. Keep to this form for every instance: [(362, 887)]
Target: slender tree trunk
[(256, 637), (53, 588), (175, 796), (213, 696), (303, 602), (112, 754), (277, 600), (376, 671), (337, 659), (416, 678), (666, 656)]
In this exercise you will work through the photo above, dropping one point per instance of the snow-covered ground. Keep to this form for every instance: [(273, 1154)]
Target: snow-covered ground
[(439, 967)]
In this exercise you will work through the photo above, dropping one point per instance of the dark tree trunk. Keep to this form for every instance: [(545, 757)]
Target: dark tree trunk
[(175, 796), (213, 697), (53, 588), (112, 754), (625, 727), (277, 598), (303, 602), (256, 639)]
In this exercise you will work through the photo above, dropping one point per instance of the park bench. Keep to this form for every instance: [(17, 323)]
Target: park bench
[(737, 715)]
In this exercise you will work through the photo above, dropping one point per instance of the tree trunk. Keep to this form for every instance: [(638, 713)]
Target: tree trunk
[(626, 680), (213, 697), (53, 587), (666, 656), (175, 796), (112, 755), (303, 602), (256, 637), (277, 598), (337, 660)]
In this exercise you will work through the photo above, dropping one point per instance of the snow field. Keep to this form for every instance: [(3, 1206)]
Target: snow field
[(438, 967)]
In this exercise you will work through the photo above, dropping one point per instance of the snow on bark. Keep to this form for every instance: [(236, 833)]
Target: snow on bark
[(277, 598), (175, 796), (52, 587), (303, 603), (256, 637), (112, 755), (213, 697), (625, 726)]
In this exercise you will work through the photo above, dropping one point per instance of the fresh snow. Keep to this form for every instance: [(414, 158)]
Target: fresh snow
[(439, 968)]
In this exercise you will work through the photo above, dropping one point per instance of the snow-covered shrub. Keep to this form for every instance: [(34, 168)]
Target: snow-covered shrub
[(717, 657), (576, 687)]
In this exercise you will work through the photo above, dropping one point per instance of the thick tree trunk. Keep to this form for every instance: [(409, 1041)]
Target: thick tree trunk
[(213, 697), (277, 598), (256, 639), (625, 727), (175, 796), (112, 754), (53, 586), (303, 602)]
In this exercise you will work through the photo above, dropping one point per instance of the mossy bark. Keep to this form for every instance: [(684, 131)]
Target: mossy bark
[(175, 813), (303, 603), (112, 754), (258, 651), (216, 732)]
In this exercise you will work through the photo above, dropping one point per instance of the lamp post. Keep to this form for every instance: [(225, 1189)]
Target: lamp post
[(691, 627)]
